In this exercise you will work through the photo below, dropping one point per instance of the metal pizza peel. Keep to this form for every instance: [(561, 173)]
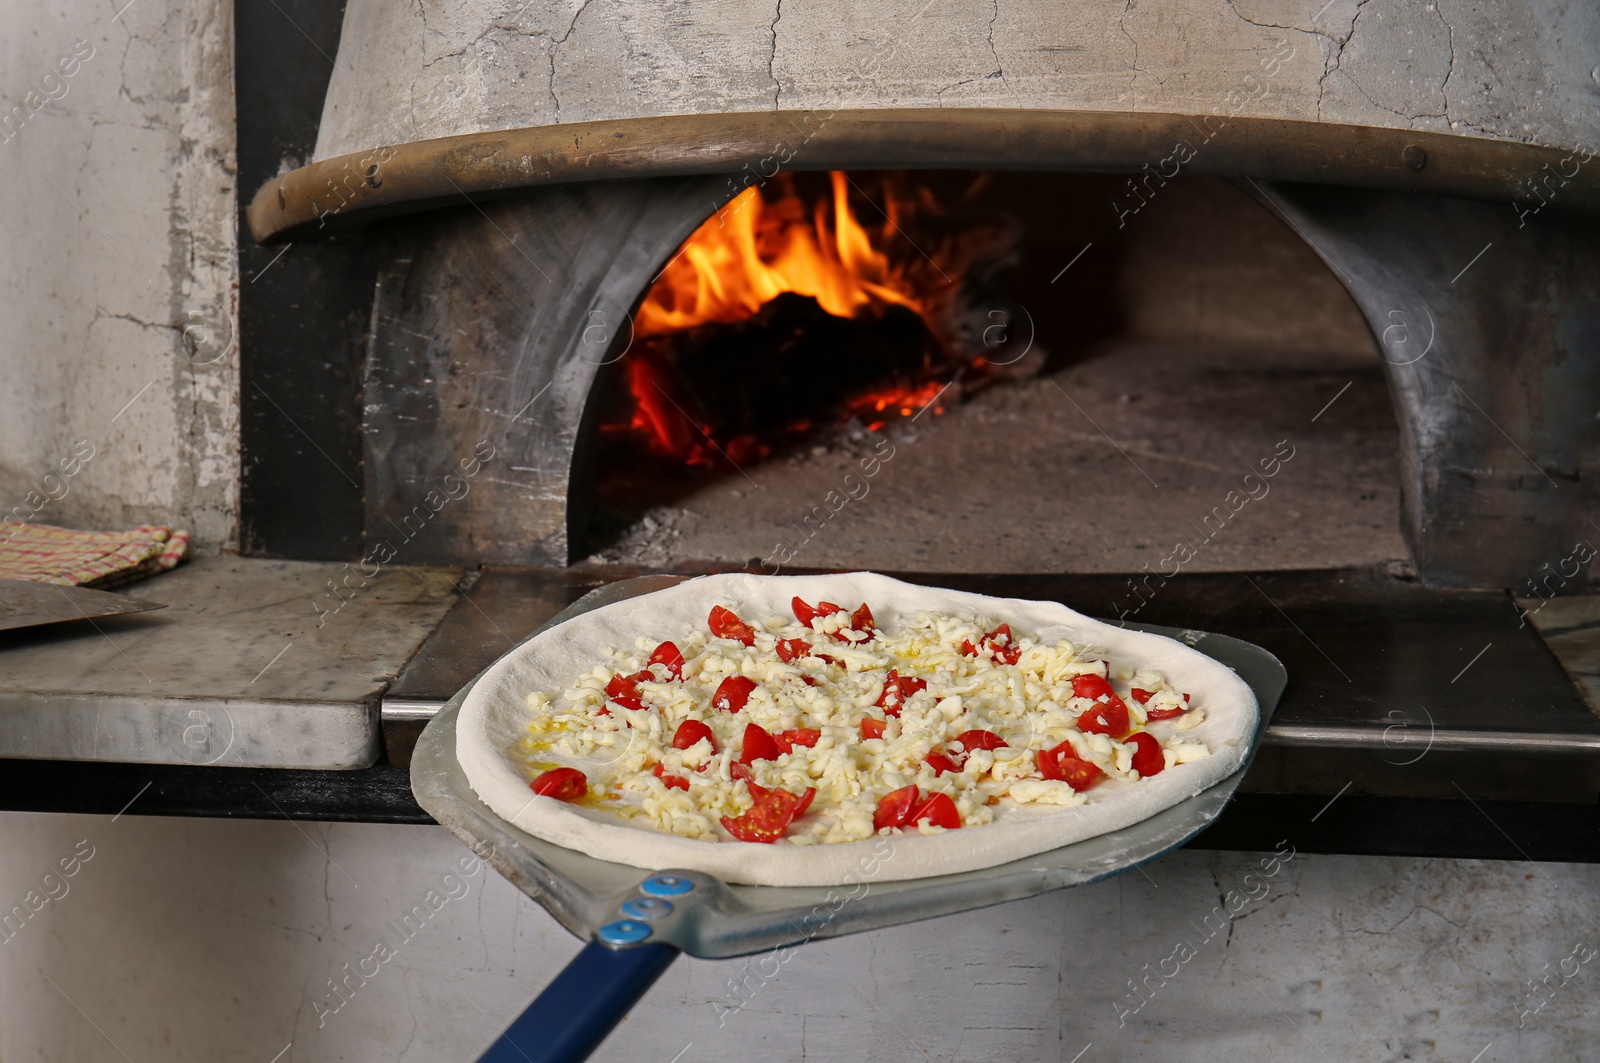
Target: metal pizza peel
[(636, 922), (26, 603)]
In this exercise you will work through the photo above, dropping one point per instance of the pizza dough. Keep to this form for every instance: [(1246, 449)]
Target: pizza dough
[(495, 716)]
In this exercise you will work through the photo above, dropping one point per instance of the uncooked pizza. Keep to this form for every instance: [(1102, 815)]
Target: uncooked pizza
[(776, 730)]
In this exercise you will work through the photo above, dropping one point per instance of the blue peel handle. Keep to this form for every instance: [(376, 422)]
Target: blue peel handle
[(584, 1003)]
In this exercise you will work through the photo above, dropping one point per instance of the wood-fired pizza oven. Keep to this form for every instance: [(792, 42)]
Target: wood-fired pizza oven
[(1306, 308)]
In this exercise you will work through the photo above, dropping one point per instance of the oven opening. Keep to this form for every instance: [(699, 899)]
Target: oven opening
[(994, 372)]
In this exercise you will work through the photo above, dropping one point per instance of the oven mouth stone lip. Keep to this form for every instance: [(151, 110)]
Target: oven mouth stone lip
[(350, 191)]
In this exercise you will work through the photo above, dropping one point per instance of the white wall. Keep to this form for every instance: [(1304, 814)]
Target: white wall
[(198, 941), (117, 232)]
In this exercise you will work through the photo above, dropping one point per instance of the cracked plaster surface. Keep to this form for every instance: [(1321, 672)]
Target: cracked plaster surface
[(119, 232), (1516, 69)]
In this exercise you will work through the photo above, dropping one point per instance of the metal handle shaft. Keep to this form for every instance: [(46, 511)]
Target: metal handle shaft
[(584, 1003)]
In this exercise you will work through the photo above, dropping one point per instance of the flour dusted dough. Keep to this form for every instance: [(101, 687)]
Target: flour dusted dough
[(494, 717)]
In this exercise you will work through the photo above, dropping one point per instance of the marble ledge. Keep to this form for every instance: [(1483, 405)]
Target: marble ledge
[(254, 662)]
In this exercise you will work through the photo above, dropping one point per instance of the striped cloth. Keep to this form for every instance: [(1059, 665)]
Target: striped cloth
[(97, 559)]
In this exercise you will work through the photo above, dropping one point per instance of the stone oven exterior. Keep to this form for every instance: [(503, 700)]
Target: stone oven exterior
[(1414, 147)]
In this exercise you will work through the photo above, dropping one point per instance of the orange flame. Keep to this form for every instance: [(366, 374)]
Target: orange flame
[(750, 252)]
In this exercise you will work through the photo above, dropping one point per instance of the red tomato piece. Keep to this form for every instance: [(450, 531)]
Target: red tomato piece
[(938, 810), (941, 763), (768, 819), (1143, 697), (725, 624), (790, 649), (669, 656), (1147, 761), (733, 693), (1092, 687), (626, 702), (860, 620), (758, 745), (871, 728), (1109, 716), (805, 613), (803, 610), (896, 690), (627, 685), (1063, 765), (563, 784), (671, 781), (894, 808), (971, 740), (1002, 645), (742, 771), (800, 736), (998, 642), (691, 731), (1105, 720), (824, 658), (808, 681)]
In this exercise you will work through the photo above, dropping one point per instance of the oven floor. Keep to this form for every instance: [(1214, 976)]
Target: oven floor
[(1106, 466)]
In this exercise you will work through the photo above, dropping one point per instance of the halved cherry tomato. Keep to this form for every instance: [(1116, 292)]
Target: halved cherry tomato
[(1091, 686), (733, 693), (691, 731), (938, 810), (626, 702), (1063, 765), (1143, 696), (871, 728), (758, 745), (896, 690), (669, 656), (1147, 760), (999, 643), (1003, 645), (860, 620), (805, 613), (768, 819), (941, 763), (1109, 716), (801, 736), (971, 740), (1105, 720), (627, 685), (725, 624), (789, 649), (671, 781), (563, 784), (894, 807)]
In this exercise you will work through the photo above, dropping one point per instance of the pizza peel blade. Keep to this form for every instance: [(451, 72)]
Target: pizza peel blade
[(636, 922), (26, 603)]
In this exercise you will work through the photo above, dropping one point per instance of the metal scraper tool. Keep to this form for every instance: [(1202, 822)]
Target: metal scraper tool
[(24, 603)]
